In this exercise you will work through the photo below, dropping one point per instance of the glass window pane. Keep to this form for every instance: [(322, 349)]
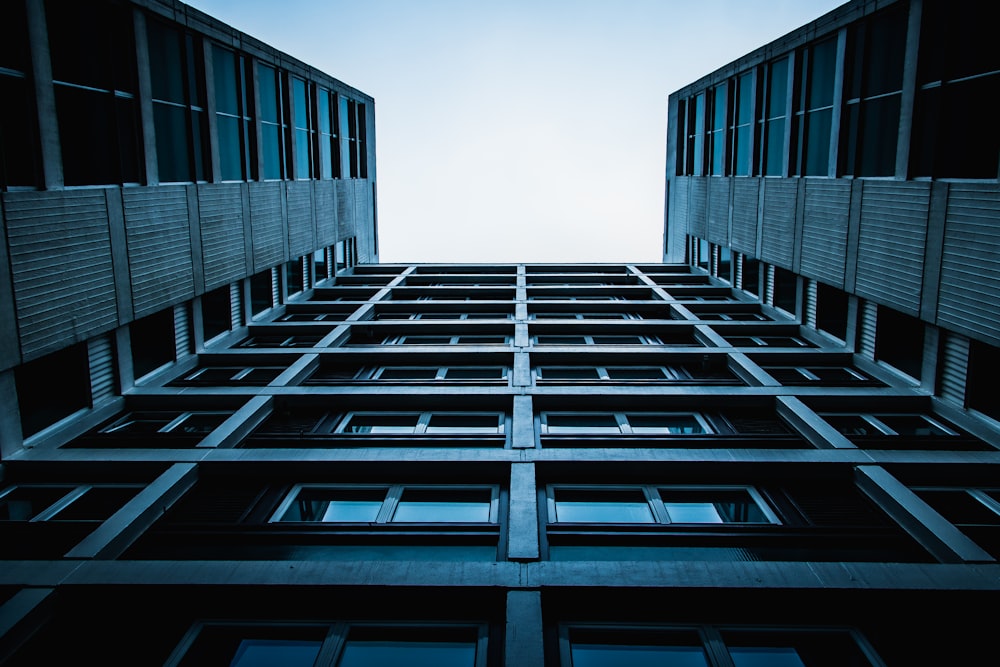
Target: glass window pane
[(444, 506), (268, 652), (711, 506), (581, 423), (382, 423), (408, 373), (674, 424), (603, 655), (230, 152), (97, 504), (463, 423), (766, 656), (628, 506), (408, 654), (484, 373), (335, 505), (558, 373), (912, 425), (636, 373)]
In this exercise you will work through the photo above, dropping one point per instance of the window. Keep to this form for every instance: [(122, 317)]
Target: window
[(899, 341), (64, 502), (658, 505), (294, 277), (889, 424), (177, 78), (786, 290), (42, 400), (229, 376), (767, 341), (472, 373), (216, 312), (345, 254), (273, 124), (329, 134), (956, 69), (261, 291), (434, 423), (353, 113), (19, 153), (429, 315), (815, 115), (873, 82), (304, 128), (312, 503), (742, 127), (329, 645), (584, 316), (717, 131), (976, 512), (178, 423), (774, 119), (983, 369), (695, 136), (751, 275), (614, 339), (92, 50), (712, 370), (713, 646), (831, 310), (826, 376), (233, 115), (637, 423), (152, 342)]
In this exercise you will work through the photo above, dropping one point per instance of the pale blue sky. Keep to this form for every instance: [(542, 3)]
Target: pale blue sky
[(517, 130)]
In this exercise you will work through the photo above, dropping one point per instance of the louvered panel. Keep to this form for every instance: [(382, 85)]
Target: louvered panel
[(739, 271), (53, 236), (182, 331), (221, 210), (159, 247), (869, 315), (718, 210), (361, 222), (769, 286), (235, 305), (698, 207), (891, 244), (326, 212), (679, 192), (745, 193), (954, 367), (275, 287), (266, 224), (824, 230), (300, 225), (101, 357), (778, 225), (345, 209), (810, 313), (969, 297)]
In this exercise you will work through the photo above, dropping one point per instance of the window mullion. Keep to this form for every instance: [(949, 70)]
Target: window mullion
[(392, 496), (333, 645), (60, 504), (656, 503)]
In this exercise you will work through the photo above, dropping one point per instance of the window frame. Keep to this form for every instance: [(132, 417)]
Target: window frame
[(422, 425), (657, 506), (119, 425), (624, 427), (74, 492), (873, 418)]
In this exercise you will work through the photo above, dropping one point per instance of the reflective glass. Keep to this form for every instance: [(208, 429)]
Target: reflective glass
[(766, 656), (447, 506), (581, 423), (333, 505), (270, 652), (464, 423), (598, 655), (674, 424), (408, 654), (602, 506), (382, 424)]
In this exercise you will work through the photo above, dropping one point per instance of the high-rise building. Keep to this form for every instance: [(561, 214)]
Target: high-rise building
[(231, 437)]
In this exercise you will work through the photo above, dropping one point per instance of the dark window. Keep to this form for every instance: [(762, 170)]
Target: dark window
[(958, 68), (233, 117), (329, 134), (696, 136), (717, 131), (785, 289), (304, 129), (816, 108), (216, 312), (353, 113), (261, 292), (19, 157), (175, 64), (831, 310), (899, 341), (92, 503), (92, 51), (874, 82), (984, 369), (774, 119), (152, 339), (293, 277), (273, 124), (751, 275), (742, 130), (52, 387)]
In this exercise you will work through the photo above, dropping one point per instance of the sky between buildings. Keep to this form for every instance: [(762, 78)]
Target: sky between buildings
[(519, 130)]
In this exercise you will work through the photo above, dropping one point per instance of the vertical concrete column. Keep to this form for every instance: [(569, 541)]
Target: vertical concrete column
[(10, 416), (145, 98), (10, 352), (909, 93), (45, 95), (213, 129), (119, 255), (838, 101), (522, 424), (814, 428), (523, 639), (522, 524)]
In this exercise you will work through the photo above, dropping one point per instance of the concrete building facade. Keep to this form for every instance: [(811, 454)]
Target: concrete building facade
[(727, 459)]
